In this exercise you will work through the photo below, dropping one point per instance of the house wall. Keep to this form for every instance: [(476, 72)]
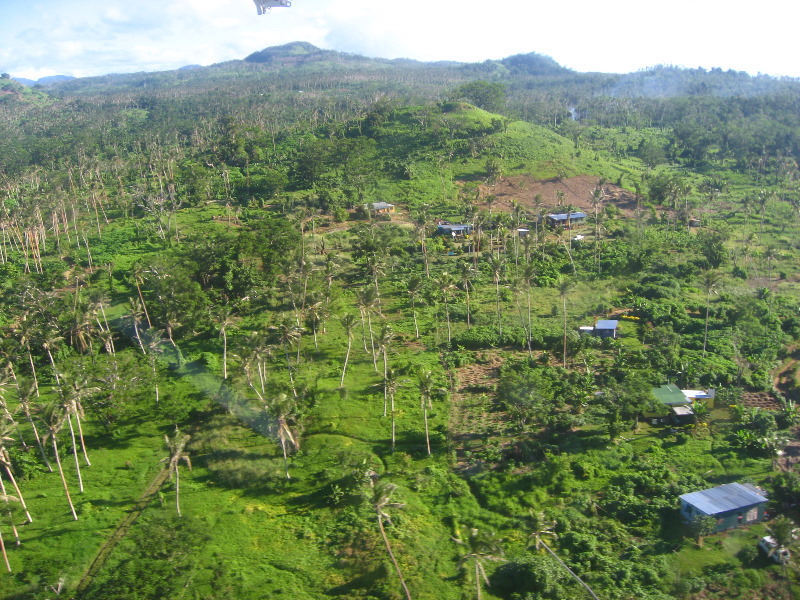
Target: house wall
[(730, 519)]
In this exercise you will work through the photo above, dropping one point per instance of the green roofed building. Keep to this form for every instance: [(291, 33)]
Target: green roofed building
[(676, 407)]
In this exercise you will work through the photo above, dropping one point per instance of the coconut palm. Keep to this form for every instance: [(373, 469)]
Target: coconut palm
[(289, 334), (497, 264), (541, 528), (348, 322), (466, 273), (134, 317), (138, 278), (5, 463), (427, 388), (564, 287), (414, 289), (25, 393), (384, 341), (224, 319), (447, 285), (481, 547), (282, 410), (177, 453), (54, 417), (5, 498), (367, 300), (155, 346), (381, 502), (709, 282)]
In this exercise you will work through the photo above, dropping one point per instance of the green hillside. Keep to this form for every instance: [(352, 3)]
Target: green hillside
[(226, 375)]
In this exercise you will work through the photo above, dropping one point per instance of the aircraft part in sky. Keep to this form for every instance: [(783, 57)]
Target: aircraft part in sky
[(264, 6)]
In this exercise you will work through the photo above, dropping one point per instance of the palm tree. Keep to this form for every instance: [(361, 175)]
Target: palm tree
[(54, 419), (289, 334), (381, 502), (426, 391), (527, 277), (597, 198), (496, 263), (348, 322), (414, 289), (709, 283), (540, 529), (177, 453), (155, 347), (447, 285), (135, 317), (466, 273), (282, 409), (224, 319), (25, 393), (482, 546), (366, 299), (5, 463), (138, 276), (5, 498), (564, 287), (384, 341)]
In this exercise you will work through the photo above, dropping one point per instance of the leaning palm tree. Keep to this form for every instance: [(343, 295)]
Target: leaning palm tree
[(381, 502), (5, 498), (25, 393), (5, 463), (282, 410), (54, 419), (540, 529), (348, 322), (482, 546), (177, 453)]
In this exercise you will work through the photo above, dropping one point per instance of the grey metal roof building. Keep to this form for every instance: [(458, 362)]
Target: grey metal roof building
[(730, 496)]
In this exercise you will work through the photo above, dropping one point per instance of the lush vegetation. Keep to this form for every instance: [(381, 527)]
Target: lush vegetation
[(224, 375)]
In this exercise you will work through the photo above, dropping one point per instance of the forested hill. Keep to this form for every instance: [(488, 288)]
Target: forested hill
[(313, 325), (299, 60)]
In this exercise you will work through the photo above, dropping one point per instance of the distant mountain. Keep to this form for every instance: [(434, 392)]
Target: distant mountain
[(301, 65), (49, 80), (292, 51)]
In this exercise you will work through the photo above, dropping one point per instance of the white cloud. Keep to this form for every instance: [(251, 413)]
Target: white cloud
[(85, 37)]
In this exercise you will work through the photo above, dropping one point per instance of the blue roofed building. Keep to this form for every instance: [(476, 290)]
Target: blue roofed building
[(731, 504), (454, 230), (606, 328), (565, 220)]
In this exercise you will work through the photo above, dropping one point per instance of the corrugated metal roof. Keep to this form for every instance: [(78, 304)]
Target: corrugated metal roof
[(606, 324), (723, 498), (564, 216), (670, 395)]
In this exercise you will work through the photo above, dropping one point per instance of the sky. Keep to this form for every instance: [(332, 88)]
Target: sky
[(95, 37)]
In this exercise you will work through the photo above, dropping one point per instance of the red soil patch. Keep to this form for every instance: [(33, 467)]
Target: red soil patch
[(577, 191), (765, 400)]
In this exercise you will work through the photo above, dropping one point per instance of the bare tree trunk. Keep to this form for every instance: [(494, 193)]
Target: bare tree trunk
[(61, 473), (391, 556)]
